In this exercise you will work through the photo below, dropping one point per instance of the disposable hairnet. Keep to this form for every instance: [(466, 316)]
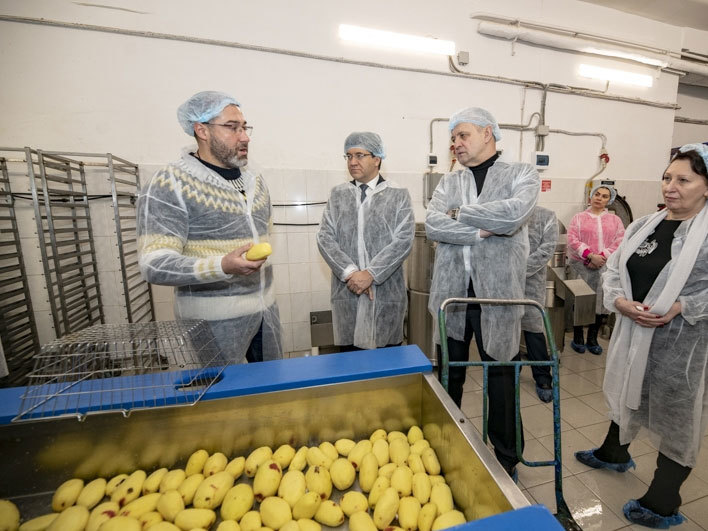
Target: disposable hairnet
[(202, 107), (476, 116), (376, 235), (188, 219), (496, 265), (701, 149), (613, 192), (371, 142)]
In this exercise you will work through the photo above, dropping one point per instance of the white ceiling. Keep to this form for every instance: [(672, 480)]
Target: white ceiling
[(684, 13)]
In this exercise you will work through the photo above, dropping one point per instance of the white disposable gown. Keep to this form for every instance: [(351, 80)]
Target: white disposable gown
[(189, 217), (543, 237), (674, 401), (376, 235), (497, 264)]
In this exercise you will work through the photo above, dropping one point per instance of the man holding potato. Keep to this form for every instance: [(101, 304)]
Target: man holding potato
[(198, 217)]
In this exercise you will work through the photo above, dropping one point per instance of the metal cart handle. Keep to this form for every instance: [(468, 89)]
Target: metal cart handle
[(563, 512)]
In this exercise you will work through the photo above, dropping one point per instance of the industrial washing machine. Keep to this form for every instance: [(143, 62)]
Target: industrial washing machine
[(298, 401)]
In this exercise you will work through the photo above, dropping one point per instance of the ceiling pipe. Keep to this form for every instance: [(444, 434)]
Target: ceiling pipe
[(517, 32)]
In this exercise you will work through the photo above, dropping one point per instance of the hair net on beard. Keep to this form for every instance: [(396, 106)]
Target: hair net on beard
[(476, 116), (371, 142), (701, 149), (613, 192), (202, 107)]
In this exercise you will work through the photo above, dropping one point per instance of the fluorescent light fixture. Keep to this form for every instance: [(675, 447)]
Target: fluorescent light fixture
[(620, 76), (400, 41), (631, 56)]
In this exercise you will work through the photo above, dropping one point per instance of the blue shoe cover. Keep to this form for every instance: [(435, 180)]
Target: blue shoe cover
[(595, 349), (587, 457), (577, 347), (637, 514), (545, 395)]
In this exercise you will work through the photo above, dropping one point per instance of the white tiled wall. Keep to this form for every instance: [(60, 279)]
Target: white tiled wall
[(302, 279)]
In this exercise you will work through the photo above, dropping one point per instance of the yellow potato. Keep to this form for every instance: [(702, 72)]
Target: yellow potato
[(259, 251)]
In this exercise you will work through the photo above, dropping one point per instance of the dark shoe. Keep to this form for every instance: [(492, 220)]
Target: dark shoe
[(577, 347), (587, 457), (637, 514), (514, 475), (544, 392)]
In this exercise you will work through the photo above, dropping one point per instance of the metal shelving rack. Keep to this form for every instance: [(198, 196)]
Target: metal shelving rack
[(124, 179), (123, 367), (58, 186), (125, 185), (18, 330)]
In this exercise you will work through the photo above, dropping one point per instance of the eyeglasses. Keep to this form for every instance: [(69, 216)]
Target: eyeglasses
[(236, 128), (358, 156)]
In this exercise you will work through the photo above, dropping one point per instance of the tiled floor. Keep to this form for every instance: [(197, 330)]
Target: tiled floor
[(595, 497)]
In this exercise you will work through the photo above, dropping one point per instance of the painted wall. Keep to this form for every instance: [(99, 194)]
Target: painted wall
[(694, 104), (78, 90)]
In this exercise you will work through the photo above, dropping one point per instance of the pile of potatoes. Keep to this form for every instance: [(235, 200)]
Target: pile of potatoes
[(398, 477)]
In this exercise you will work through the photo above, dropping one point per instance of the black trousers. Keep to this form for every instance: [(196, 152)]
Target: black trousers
[(536, 350), (662, 496), (501, 427), (254, 353)]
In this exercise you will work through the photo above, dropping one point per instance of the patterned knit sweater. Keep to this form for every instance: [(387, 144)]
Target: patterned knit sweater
[(189, 217)]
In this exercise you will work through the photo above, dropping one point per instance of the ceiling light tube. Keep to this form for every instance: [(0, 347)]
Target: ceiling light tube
[(399, 41), (619, 76)]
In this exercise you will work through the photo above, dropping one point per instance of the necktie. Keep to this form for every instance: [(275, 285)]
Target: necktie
[(363, 191)]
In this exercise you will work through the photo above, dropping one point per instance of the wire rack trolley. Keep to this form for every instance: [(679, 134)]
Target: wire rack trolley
[(563, 512), (122, 368)]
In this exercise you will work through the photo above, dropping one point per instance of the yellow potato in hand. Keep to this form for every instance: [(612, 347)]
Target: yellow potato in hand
[(259, 251)]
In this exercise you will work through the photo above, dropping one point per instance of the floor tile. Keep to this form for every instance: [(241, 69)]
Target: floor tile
[(697, 512), (580, 362), (576, 385), (571, 442), (578, 414), (472, 402), (613, 488), (588, 510), (538, 420), (596, 401), (701, 469), (596, 376), (532, 476), (595, 432)]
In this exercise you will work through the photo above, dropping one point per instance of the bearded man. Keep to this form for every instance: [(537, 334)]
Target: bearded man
[(198, 216)]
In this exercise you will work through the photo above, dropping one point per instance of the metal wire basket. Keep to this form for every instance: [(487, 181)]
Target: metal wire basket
[(122, 367)]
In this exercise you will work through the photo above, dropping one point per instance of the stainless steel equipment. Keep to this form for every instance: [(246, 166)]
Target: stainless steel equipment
[(18, 330), (124, 181), (62, 186), (125, 184), (58, 187), (122, 367), (419, 270), (38, 456)]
